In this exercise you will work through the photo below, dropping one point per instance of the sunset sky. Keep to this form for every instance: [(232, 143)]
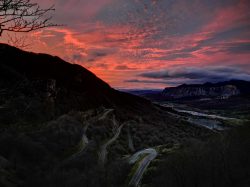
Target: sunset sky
[(151, 43)]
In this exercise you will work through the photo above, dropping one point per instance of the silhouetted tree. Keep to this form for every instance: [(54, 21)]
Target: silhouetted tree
[(23, 16), (20, 42)]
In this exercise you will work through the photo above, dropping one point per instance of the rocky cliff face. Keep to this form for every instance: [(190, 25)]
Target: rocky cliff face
[(184, 91)]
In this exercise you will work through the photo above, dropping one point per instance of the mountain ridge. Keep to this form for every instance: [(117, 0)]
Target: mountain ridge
[(224, 89), (61, 81)]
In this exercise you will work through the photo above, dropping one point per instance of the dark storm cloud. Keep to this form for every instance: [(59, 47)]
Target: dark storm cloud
[(77, 57), (174, 56), (238, 48), (147, 81), (194, 74), (164, 82), (94, 54), (238, 32), (99, 54), (124, 67)]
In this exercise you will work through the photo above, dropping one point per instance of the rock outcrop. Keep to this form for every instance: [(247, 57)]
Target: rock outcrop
[(206, 90)]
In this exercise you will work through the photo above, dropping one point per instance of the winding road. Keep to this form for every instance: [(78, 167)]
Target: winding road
[(143, 164), (103, 150), (83, 143), (105, 113), (84, 140)]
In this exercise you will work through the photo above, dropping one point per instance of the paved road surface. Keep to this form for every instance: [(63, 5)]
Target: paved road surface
[(103, 151), (151, 154)]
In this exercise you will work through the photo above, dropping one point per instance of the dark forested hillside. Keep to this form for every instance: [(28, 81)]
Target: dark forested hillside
[(60, 124)]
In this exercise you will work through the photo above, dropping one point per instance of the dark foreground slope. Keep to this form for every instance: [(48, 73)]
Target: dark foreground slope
[(222, 161), (66, 86), (56, 119)]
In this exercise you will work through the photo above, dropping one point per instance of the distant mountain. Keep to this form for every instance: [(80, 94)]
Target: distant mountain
[(221, 90)]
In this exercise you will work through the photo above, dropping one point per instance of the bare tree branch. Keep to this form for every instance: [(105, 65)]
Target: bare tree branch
[(18, 41), (24, 16)]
